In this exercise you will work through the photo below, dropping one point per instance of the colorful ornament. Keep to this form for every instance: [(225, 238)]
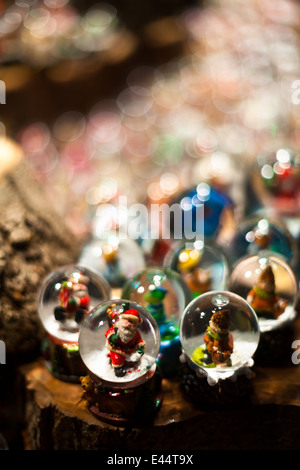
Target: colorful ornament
[(259, 233), (269, 285), (276, 179), (218, 342), (263, 296), (202, 266), (65, 298), (124, 339), (164, 294), (219, 333), (118, 342), (116, 257), (205, 213)]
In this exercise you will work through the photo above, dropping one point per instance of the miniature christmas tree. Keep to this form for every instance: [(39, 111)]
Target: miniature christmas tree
[(263, 297)]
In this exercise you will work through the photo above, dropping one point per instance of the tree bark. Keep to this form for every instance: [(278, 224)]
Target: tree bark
[(33, 242)]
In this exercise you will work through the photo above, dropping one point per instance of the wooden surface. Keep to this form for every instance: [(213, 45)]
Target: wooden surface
[(56, 419)]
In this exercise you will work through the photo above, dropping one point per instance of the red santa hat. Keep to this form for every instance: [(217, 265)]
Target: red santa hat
[(132, 315)]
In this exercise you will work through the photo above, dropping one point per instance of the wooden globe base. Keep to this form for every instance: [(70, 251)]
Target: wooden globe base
[(275, 345), (57, 418), (225, 392), (122, 407), (63, 362)]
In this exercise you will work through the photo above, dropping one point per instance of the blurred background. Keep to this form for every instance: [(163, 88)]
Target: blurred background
[(146, 100), (150, 99)]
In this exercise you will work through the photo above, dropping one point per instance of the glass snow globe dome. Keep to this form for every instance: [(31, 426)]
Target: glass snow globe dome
[(204, 210), (163, 293), (115, 256), (276, 179), (269, 285), (112, 359), (262, 232), (203, 266), (219, 333), (65, 298)]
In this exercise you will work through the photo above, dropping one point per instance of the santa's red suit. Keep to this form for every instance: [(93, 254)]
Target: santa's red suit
[(74, 294), (120, 350), (74, 299)]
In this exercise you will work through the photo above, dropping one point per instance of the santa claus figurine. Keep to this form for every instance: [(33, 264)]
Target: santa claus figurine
[(74, 299), (263, 297), (124, 339)]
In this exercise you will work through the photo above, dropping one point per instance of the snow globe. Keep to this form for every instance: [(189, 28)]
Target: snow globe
[(115, 256), (202, 266), (65, 298), (276, 182), (269, 285), (259, 233), (165, 295), (219, 332), (203, 210), (118, 342)]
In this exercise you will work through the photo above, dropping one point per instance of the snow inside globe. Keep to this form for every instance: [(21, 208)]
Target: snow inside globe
[(202, 266), (219, 333), (262, 233), (66, 297), (116, 257), (165, 295), (119, 342), (269, 285)]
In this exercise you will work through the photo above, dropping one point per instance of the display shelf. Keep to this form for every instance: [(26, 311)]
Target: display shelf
[(56, 418)]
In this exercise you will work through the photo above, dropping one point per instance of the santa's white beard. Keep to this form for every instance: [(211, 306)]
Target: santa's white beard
[(80, 293), (126, 334)]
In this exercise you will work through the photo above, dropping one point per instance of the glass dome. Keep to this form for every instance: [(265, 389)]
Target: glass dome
[(269, 286), (219, 333), (115, 257), (163, 293), (118, 342), (276, 178), (203, 210), (203, 267), (66, 297), (262, 233)]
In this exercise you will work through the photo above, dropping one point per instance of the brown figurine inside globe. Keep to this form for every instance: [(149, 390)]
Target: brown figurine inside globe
[(218, 342), (263, 297)]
